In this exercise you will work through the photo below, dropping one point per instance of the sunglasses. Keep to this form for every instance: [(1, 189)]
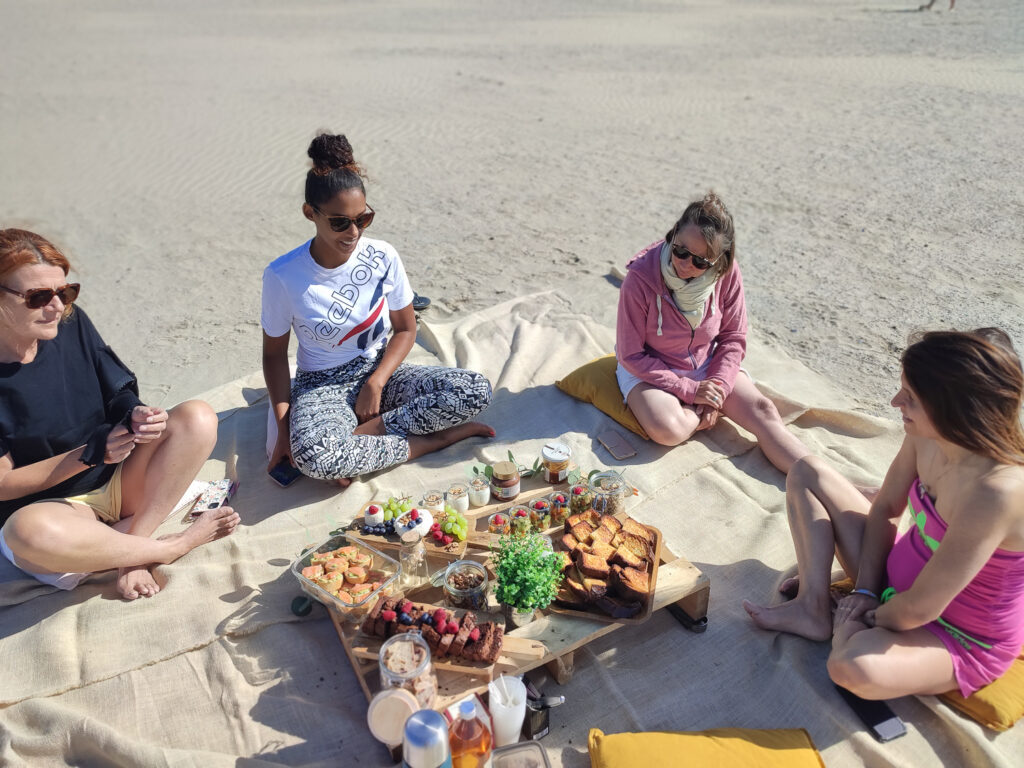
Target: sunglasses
[(682, 254), (342, 223), (38, 298)]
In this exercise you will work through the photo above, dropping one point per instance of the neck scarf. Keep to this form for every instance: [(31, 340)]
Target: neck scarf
[(691, 295)]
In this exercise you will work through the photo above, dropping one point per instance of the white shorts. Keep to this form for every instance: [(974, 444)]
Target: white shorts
[(627, 380), (58, 580)]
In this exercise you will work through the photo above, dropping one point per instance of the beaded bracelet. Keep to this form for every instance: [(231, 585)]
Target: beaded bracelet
[(865, 592)]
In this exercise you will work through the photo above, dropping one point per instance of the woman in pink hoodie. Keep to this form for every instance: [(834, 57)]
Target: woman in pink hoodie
[(682, 334)]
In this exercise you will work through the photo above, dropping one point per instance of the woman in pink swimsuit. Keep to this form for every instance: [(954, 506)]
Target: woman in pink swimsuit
[(942, 605)]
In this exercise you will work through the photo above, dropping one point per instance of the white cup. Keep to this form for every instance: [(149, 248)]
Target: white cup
[(507, 702)]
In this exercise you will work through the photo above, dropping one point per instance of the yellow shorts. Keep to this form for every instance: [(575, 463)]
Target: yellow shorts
[(105, 501)]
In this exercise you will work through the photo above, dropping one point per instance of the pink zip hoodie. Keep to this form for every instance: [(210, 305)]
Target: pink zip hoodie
[(652, 337)]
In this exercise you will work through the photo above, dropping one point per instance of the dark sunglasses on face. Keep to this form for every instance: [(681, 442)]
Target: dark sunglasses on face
[(680, 252), (40, 297), (342, 223)]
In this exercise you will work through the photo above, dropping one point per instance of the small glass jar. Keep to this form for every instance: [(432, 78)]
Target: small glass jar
[(413, 558), (498, 523), (433, 500), (519, 520), (479, 491), (465, 585), (559, 507), (556, 461), (610, 491), (580, 498), (540, 514), (405, 663), (458, 497), (504, 480)]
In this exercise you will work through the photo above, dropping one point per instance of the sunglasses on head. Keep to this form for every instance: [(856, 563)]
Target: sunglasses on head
[(342, 223), (40, 297), (682, 254)]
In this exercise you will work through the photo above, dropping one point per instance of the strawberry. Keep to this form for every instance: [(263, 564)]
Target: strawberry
[(440, 619), (475, 634), (452, 628), (388, 615), (406, 607)]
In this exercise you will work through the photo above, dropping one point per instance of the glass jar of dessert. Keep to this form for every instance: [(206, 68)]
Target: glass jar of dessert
[(559, 507), (580, 498), (498, 523), (504, 480), (519, 520), (540, 514), (433, 500), (412, 556), (405, 663), (556, 457), (479, 491), (458, 496), (465, 585), (610, 491)]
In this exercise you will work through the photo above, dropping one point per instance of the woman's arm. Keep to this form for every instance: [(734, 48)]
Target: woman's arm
[(985, 516), (279, 388), (403, 337), (630, 330), (731, 341)]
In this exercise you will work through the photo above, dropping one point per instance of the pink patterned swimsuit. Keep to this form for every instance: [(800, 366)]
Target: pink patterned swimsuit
[(983, 627)]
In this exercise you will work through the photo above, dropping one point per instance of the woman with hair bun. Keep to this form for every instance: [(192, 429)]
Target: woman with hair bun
[(356, 406), (941, 606), (87, 472), (681, 335)]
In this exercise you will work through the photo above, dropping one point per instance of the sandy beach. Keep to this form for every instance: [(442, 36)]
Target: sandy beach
[(872, 156)]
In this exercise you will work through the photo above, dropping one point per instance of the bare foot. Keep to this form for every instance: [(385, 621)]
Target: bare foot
[(793, 617), (136, 581), (213, 524), (435, 441), (341, 482)]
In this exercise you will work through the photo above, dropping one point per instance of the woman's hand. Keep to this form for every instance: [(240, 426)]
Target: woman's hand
[(709, 392), (854, 608), (282, 449), (708, 417), (120, 443), (368, 401), (148, 423)]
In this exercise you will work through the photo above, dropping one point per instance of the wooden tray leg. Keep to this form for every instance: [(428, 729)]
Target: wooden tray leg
[(561, 668), (692, 610)]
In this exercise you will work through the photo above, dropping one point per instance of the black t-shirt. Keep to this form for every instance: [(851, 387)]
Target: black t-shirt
[(76, 389)]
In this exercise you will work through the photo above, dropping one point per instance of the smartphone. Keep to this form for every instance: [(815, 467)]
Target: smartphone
[(284, 474), (616, 444), (876, 715), (217, 494)]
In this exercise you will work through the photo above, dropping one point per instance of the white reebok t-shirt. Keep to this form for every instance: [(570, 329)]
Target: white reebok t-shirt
[(337, 314)]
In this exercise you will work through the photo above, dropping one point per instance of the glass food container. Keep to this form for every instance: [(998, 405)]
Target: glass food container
[(458, 497), (610, 491), (465, 585), (405, 663), (479, 491)]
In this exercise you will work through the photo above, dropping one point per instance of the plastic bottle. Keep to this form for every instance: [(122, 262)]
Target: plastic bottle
[(469, 737)]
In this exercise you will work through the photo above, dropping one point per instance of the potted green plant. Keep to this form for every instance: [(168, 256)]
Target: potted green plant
[(528, 575)]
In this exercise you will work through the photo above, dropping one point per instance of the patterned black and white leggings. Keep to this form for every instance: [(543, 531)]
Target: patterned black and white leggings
[(417, 400)]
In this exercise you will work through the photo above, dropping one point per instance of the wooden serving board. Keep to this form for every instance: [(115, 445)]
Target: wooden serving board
[(596, 613), (453, 551), (513, 651)]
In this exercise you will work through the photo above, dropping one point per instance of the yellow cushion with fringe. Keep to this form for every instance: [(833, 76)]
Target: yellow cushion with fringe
[(721, 748), (595, 383)]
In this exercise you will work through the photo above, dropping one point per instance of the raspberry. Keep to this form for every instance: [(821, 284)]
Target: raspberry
[(475, 634), (414, 514), (388, 615), (374, 509), (520, 513), (499, 520), (407, 606), (452, 628), (560, 499), (577, 490), (447, 539), (440, 619), (438, 536)]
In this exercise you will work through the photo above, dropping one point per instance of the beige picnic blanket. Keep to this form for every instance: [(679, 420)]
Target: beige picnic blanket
[(216, 671)]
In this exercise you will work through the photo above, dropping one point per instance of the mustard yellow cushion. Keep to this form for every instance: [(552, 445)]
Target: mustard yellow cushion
[(999, 704), (595, 383), (720, 748)]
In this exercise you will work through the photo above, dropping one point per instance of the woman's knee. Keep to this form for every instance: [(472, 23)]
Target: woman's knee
[(671, 431), (474, 390), (196, 420), (854, 673), (31, 529), (806, 473)]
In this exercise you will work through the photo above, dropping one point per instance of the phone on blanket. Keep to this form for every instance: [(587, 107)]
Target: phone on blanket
[(876, 715), (217, 494), (616, 444), (284, 474)]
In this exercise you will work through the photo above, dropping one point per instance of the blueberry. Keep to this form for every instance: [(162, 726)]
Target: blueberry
[(367, 529), (405, 618), (427, 619)]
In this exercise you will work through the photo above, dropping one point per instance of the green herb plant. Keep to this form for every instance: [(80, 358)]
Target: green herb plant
[(528, 572)]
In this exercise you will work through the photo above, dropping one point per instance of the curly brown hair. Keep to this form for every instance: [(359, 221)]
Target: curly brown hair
[(710, 215), (334, 169)]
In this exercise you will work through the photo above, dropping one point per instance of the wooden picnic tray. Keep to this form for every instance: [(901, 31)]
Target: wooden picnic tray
[(455, 550)]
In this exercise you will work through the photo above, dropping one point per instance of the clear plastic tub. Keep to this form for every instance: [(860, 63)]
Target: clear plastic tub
[(527, 754), (387, 568)]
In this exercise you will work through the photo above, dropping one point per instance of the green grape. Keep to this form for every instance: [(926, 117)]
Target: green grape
[(388, 515), (406, 505)]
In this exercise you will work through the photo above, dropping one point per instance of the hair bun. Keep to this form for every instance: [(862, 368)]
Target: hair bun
[(330, 152)]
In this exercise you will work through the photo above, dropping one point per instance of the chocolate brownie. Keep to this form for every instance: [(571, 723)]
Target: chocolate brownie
[(462, 636)]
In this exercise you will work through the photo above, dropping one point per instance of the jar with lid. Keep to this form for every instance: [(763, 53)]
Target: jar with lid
[(479, 491), (465, 585), (556, 461), (405, 663), (610, 491), (504, 480), (413, 557)]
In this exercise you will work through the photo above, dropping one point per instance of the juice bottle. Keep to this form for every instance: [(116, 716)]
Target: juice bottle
[(469, 738)]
